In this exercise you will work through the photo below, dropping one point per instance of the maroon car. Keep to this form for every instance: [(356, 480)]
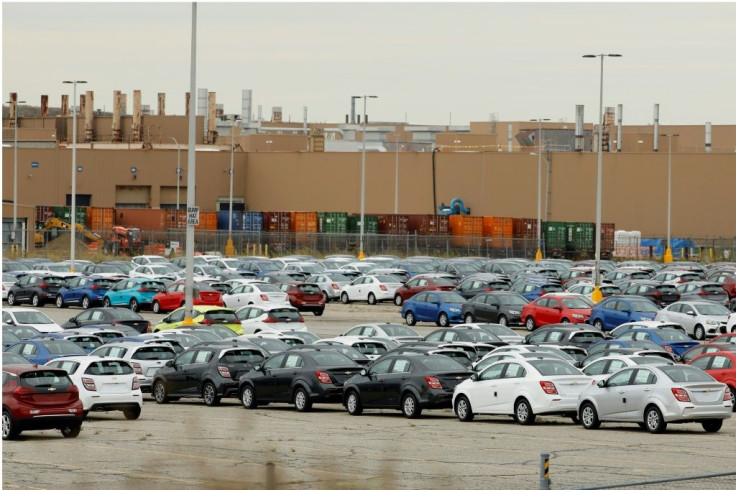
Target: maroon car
[(39, 399), (421, 283), (305, 296)]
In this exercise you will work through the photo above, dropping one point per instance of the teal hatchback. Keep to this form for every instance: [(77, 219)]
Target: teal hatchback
[(135, 293)]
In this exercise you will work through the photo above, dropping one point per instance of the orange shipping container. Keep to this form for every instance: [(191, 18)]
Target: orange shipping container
[(500, 229), (303, 222), (466, 225), (143, 218), (207, 220), (100, 219), (175, 219)]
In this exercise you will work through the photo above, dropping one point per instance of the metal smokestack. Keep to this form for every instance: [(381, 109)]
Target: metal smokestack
[(89, 111), (202, 107), (245, 106), (44, 106), (211, 118), (619, 129), (656, 127), (305, 118), (136, 128), (510, 138), (352, 109), (708, 136), (161, 104), (116, 100), (260, 113), (579, 131), (64, 105)]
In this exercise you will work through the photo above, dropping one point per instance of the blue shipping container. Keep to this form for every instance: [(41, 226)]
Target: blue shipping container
[(222, 220), (252, 221)]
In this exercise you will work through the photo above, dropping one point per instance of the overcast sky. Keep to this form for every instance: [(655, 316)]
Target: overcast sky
[(428, 63)]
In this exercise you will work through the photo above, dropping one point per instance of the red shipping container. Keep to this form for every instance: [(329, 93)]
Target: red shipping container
[(175, 218), (100, 219), (303, 222), (428, 224), (393, 224), (607, 239), (143, 218), (276, 221), (43, 213), (524, 228)]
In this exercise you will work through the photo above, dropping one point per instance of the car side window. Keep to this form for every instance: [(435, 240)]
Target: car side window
[(294, 361), (620, 379), (596, 368), (354, 331), (555, 336), (614, 366), (450, 337), (702, 363), (721, 362), (644, 377), (28, 350), (203, 356), (401, 366), (17, 348), (435, 336), (255, 313), (381, 367), (493, 372), (421, 297), (117, 351), (274, 362), (514, 371)]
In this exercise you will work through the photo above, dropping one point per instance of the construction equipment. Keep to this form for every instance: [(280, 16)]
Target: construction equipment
[(51, 224), (125, 241)]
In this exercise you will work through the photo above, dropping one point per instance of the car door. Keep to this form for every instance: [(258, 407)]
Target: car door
[(637, 394), (195, 372), (25, 287), (284, 377), (232, 299), (509, 386), (364, 287), (721, 368), (265, 385), (371, 385), (487, 308), (483, 393), (395, 380), (430, 309), (72, 293), (611, 398), (176, 377)]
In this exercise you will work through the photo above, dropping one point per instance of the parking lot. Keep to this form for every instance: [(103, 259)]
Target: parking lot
[(188, 444)]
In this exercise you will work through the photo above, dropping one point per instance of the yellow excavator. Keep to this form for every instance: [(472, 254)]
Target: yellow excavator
[(54, 223)]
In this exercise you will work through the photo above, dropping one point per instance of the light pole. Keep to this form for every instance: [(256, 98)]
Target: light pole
[(229, 247), (178, 176), (15, 103), (396, 178), (538, 256), (74, 170), (668, 252), (268, 142), (361, 255), (597, 295)]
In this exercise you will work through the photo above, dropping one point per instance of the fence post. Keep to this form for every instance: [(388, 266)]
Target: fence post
[(544, 481), (270, 476)]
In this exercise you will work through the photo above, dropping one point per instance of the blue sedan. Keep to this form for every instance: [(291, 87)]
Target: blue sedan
[(672, 341), (617, 310), (135, 293), (87, 342), (42, 351), (84, 291), (441, 307)]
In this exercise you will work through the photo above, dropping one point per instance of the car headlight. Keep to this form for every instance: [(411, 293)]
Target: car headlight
[(576, 315), (515, 312), (454, 310), (712, 322)]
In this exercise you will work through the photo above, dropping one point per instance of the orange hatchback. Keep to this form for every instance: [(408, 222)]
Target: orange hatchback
[(556, 308)]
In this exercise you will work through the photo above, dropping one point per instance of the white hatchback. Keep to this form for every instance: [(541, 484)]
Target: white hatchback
[(254, 293), (104, 384), (29, 317)]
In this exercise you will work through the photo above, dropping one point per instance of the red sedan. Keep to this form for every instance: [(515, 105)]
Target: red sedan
[(554, 308), (726, 338), (173, 297), (419, 284), (305, 296), (40, 399), (720, 365)]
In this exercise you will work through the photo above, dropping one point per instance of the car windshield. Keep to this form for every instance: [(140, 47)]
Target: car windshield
[(345, 350), (87, 342), (714, 309), (271, 345), (650, 360), (553, 351), (686, 374), (644, 306), (64, 348), (551, 367), (154, 353), (13, 358), (388, 279), (32, 317), (499, 330), (450, 297), (511, 300), (15, 266), (466, 268), (338, 277), (398, 331), (440, 363), (575, 303), (673, 336)]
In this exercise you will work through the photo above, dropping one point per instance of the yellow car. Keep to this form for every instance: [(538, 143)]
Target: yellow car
[(203, 315)]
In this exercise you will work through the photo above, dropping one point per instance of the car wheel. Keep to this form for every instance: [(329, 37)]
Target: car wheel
[(326, 296), (523, 412), (353, 404), (529, 323), (372, 299), (503, 320), (733, 397), (36, 301), (654, 421), (10, 430), (60, 301), (134, 305), (469, 318), (463, 410), (159, 392), (410, 406), (71, 430), (589, 416), (598, 324), (209, 393), (11, 299), (344, 298), (156, 307), (248, 398), (712, 425), (319, 312), (699, 332), (443, 320), (410, 320), (132, 413), (106, 303), (398, 300), (86, 303), (302, 401), (565, 320)]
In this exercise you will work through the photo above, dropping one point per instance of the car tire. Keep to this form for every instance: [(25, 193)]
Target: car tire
[(106, 302), (410, 319), (36, 301), (654, 421), (529, 323), (11, 299), (132, 413), (699, 332), (468, 318), (589, 416), (523, 413), (71, 430), (301, 400), (712, 425), (248, 397), (372, 299), (352, 403), (398, 300), (502, 320), (564, 320), (86, 303), (319, 312), (463, 410), (60, 301), (134, 307), (326, 296), (10, 430), (733, 397), (344, 298), (159, 392), (156, 307), (209, 394), (443, 320), (598, 324), (410, 406)]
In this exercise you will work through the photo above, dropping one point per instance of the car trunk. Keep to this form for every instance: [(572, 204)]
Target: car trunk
[(667, 294), (36, 390), (341, 374), (451, 379), (570, 386), (705, 394)]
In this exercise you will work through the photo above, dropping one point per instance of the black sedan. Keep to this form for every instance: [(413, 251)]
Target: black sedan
[(576, 335), (207, 371), (409, 382), (495, 307), (107, 317), (301, 377)]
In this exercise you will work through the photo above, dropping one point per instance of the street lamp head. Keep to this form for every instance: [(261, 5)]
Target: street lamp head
[(74, 81), (590, 56), (614, 55)]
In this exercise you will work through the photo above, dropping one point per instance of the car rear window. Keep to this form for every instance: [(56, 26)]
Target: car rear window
[(32, 317), (58, 380), (713, 289), (369, 348), (87, 342), (551, 367), (575, 303), (57, 281), (666, 288), (103, 283), (440, 363), (154, 353), (241, 355), (268, 288), (284, 314), (154, 286), (108, 368), (309, 289), (64, 348), (685, 374), (644, 307), (221, 316), (398, 330), (552, 288), (481, 336), (123, 314), (328, 359)]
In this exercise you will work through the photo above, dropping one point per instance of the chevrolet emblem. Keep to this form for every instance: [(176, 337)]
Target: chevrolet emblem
[(51, 388), (458, 377)]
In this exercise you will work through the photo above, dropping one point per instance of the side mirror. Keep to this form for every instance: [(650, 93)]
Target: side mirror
[(363, 372), (73, 320), (10, 321), (524, 340), (474, 377), (169, 363), (691, 313), (601, 384), (259, 367)]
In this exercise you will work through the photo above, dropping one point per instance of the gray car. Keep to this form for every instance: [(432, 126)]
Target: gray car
[(653, 396), (331, 284)]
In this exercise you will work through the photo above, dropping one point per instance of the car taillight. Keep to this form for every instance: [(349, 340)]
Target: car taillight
[(703, 293), (136, 384), (43, 285), (548, 387), (657, 294), (264, 297), (323, 377), (236, 321), (433, 382), (383, 288), (270, 319), (335, 286), (145, 290), (681, 394), (224, 371), (149, 328), (727, 395), (95, 287), (22, 392), (301, 319), (206, 321), (668, 349), (89, 384), (137, 368)]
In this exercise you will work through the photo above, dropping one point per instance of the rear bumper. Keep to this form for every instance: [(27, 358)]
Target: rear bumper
[(48, 418), (108, 407), (436, 400), (100, 402), (688, 412)]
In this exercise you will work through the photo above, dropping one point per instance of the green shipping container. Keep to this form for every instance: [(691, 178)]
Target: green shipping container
[(582, 236), (555, 234), (371, 225), (332, 222), (64, 213)]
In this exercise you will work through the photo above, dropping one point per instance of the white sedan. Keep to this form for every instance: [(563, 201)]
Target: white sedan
[(371, 289), (255, 319), (104, 384), (28, 317), (701, 319), (522, 388), (254, 293)]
